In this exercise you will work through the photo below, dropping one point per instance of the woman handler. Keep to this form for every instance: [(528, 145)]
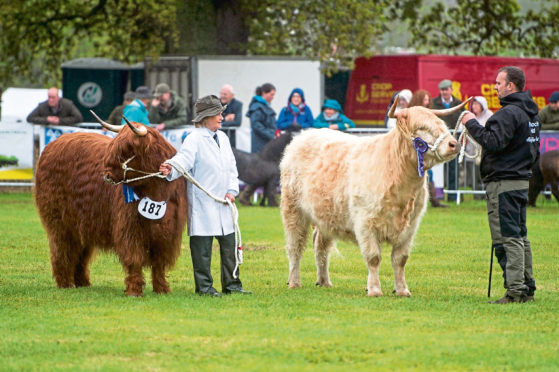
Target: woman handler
[(206, 154)]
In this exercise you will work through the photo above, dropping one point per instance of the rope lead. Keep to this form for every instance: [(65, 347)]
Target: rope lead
[(464, 138)]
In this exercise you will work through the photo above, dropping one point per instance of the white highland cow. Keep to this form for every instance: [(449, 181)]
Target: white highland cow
[(367, 190)]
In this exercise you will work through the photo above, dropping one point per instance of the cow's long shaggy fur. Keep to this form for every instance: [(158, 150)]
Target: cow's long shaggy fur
[(81, 212), (262, 169), (362, 189), (545, 172)]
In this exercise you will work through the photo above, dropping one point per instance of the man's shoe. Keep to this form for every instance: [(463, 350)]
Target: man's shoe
[(210, 292), (239, 291), (509, 300)]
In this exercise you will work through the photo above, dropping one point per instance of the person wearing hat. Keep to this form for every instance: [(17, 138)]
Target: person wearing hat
[(296, 115), (549, 115), (332, 117), (137, 110), (443, 101), (167, 109), (206, 154)]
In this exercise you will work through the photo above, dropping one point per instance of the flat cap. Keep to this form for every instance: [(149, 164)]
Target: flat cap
[(445, 84)]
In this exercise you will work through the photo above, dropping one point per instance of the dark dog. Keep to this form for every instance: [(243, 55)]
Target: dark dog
[(545, 171), (261, 169)]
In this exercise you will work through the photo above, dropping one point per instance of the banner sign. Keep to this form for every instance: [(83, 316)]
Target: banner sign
[(49, 133), (16, 151)]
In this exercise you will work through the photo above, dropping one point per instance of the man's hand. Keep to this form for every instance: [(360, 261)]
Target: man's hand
[(160, 127), (53, 120), (230, 197), (155, 102), (468, 116), (229, 117)]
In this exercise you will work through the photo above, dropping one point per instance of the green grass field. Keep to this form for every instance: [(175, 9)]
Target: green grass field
[(446, 325)]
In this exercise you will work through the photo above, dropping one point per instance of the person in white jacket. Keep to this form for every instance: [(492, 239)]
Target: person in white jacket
[(206, 154)]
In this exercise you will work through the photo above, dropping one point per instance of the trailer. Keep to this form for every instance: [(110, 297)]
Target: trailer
[(374, 80)]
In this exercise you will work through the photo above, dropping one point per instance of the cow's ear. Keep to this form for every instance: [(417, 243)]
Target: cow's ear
[(403, 122)]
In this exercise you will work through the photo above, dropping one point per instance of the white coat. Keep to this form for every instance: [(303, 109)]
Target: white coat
[(214, 167)]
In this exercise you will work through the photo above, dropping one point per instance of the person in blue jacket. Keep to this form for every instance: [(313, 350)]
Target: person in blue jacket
[(262, 117), (296, 115), (137, 110), (332, 117)]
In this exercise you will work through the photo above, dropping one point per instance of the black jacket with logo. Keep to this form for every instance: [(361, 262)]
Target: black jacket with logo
[(510, 139)]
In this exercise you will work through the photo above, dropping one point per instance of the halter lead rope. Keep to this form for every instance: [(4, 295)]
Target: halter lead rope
[(126, 168), (464, 138)]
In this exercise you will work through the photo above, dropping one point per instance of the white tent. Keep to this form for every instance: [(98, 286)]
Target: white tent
[(17, 103)]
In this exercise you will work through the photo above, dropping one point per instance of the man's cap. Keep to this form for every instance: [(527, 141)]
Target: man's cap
[(161, 89), (129, 96), (554, 97), (445, 84), (207, 106), (142, 92)]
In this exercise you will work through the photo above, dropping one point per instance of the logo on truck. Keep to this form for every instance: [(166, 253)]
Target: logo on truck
[(362, 96), (90, 94)]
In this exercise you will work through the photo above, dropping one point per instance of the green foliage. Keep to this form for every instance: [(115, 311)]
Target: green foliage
[(489, 27), (47, 32), (334, 32), (38, 35), (446, 325)]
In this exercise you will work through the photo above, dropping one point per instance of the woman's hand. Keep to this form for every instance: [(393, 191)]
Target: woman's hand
[(165, 169)]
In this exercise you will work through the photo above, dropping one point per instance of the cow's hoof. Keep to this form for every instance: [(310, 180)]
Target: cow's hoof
[(162, 290), (374, 293), (133, 292), (404, 293), (323, 284), (294, 285)]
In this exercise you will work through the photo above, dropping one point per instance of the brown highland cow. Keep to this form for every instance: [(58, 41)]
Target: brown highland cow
[(81, 212)]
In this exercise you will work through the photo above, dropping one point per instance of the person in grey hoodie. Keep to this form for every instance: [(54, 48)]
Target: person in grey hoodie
[(478, 107)]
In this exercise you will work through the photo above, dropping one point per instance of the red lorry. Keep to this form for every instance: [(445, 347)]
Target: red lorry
[(374, 80)]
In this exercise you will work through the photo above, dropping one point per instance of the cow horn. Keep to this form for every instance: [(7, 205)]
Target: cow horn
[(142, 131), (451, 110), (393, 108), (114, 128)]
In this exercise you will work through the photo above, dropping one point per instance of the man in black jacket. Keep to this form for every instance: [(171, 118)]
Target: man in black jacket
[(510, 142)]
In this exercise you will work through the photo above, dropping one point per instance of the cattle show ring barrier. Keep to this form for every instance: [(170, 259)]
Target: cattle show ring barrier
[(22, 143)]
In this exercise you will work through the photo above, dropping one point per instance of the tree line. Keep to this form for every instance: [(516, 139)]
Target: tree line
[(38, 36)]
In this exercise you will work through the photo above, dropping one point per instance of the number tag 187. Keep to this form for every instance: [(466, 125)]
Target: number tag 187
[(152, 209)]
